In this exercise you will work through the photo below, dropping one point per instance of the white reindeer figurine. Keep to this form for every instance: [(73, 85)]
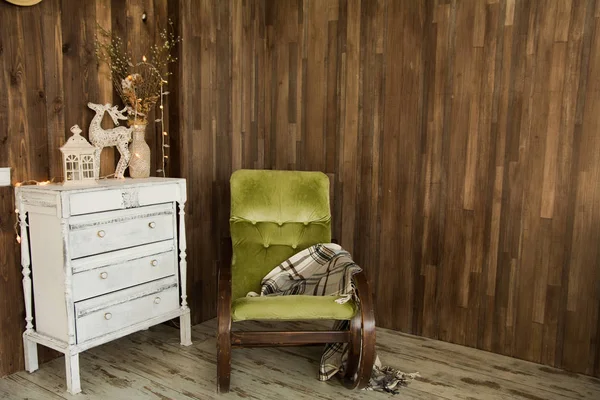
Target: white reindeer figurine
[(119, 136)]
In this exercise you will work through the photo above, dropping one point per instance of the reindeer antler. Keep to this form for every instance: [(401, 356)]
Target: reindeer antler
[(118, 113)]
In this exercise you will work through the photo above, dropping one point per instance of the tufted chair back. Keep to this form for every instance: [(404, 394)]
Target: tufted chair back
[(274, 214)]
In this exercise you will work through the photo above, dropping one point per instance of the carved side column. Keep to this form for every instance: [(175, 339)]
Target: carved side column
[(182, 255), (26, 265), (185, 323), (185, 319), (29, 346)]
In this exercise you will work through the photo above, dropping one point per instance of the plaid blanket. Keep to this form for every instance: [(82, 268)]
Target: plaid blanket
[(326, 269), (320, 270)]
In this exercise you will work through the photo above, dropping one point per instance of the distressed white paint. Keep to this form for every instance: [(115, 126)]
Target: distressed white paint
[(182, 254), (105, 259), (128, 197), (71, 328), (4, 176), (26, 264), (185, 330), (121, 256), (110, 276), (114, 230), (102, 320), (31, 355), (51, 314), (72, 372)]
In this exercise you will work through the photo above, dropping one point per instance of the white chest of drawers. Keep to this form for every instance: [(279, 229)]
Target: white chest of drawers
[(100, 262)]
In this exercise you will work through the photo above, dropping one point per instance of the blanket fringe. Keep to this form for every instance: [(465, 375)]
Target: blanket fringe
[(389, 380)]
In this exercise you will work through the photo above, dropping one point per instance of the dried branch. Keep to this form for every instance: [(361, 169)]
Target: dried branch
[(138, 85)]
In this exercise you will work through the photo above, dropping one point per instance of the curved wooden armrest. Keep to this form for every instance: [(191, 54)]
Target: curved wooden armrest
[(361, 354), (224, 326)]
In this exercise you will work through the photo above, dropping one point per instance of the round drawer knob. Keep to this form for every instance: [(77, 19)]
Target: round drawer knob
[(154, 263), (157, 300), (101, 234), (107, 316), (152, 225), (104, 275)]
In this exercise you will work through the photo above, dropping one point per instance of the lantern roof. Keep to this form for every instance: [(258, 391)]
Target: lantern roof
[(77, 143)]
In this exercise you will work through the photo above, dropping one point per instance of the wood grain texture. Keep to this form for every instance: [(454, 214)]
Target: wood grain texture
[(461, 140), (48, 73), (152, 364), (517, 257)]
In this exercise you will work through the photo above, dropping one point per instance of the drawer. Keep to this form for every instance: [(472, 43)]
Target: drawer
[(110, 313), (110, 231), (108, 273), (119, 198)]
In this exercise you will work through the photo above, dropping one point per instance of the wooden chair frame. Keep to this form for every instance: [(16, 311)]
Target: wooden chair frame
[(360, 336)]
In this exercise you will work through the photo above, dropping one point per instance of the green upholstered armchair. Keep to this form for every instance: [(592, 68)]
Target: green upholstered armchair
[(275, 214)]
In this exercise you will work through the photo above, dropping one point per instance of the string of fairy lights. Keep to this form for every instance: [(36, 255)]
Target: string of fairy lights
[(164, 133), (164, 146)]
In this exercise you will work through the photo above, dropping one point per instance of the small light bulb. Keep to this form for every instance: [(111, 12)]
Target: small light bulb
[(166, 156), (16, 210), (161, 107), (144, 58), (137, 155), (18, 239), (165, 133)]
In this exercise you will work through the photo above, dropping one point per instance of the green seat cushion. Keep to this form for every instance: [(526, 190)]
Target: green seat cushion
[(297, 307)]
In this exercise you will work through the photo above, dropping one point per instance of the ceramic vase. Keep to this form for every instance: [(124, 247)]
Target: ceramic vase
[(139, 165)]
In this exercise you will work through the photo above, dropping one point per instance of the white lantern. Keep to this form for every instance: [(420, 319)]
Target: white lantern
[(79, 163)]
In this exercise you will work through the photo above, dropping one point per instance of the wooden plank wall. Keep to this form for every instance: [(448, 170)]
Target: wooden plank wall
[(509, 238), (461, 137), (48, 73)]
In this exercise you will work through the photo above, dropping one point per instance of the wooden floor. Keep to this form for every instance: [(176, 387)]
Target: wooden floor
[(152, 365)]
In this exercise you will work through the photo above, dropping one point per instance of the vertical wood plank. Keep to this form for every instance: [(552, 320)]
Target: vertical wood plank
[(53, 78), (350, 151)]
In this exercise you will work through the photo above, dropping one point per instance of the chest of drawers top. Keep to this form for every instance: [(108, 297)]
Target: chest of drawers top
[(106, 195)]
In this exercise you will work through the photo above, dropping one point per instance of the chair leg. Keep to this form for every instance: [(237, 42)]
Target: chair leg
[(224, 330), (223, 370), (361, 351), (223, 356), (361, 356), (354, 350)]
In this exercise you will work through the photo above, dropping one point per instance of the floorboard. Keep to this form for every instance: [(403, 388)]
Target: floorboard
[(152, 365)]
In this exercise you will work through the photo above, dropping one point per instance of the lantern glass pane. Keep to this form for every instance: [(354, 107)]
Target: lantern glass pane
[(87, 166), (72, 167)]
